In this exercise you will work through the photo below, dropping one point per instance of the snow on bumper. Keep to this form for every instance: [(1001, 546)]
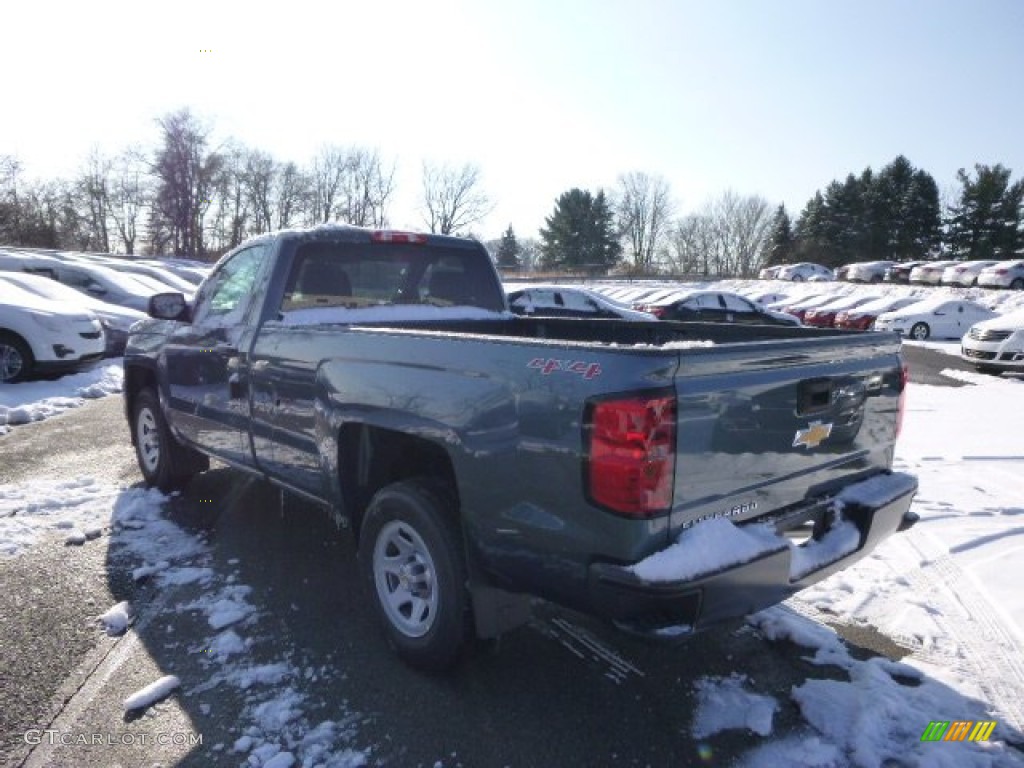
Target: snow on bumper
[(717, 571)]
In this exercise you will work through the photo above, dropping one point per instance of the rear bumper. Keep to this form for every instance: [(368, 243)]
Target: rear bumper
[(877, 508)]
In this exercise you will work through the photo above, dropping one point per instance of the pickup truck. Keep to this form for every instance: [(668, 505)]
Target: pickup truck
[(665, 476)]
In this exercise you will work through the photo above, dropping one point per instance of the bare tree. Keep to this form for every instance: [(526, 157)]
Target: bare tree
[(692, 245), (644, 209), (744, 226), (326, 175), (291, 190), (259, 178), (10, 206), (129, 194), (187, 175), (452, 199), (93, 193), (365, 189)]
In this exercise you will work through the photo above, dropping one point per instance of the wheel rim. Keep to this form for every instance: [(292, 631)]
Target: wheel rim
[(920, 332), (11, 362), (147, 439), (404, 574)]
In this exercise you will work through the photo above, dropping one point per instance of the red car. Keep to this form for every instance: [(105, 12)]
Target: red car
[(825, 315), (862, 318)]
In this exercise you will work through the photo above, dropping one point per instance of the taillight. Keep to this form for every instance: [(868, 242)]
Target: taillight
[(631, 447), (658, 312), (389, 236), (904, 380)]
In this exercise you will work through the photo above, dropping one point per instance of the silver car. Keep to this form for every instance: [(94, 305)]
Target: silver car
[(996, 345), (1004, 274), (964, 273)]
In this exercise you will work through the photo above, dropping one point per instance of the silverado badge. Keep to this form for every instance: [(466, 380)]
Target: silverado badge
[(813, 436)]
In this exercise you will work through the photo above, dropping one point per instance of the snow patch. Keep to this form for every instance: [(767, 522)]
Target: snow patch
[(724, 704), (152, 693)]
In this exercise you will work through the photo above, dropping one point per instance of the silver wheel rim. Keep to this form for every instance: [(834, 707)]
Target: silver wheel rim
[(405, 577), (11, 362), (148, 440), (920, 332)]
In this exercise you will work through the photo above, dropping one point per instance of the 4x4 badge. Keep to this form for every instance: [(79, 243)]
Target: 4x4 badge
[(813, 436)]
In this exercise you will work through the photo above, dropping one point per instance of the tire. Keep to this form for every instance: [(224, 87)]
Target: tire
[(798, 278), (414, 570), (164, 462), (875, 279), (1018, 284), (920, 331), (16, 359)]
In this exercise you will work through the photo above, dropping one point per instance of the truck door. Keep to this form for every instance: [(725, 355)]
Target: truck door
[(206, 359)]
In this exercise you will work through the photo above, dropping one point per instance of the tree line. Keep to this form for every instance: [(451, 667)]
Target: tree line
[(189, 197)]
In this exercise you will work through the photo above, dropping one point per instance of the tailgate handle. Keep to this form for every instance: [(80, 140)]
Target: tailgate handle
[(814, 396)]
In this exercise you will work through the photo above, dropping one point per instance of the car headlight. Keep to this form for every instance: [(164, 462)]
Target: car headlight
[(48, 321)]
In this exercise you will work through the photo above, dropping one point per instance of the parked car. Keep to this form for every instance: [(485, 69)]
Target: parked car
[(40, 337), (162, 276), (996, 345), (18, 261), (769, 273), (964, 273), (766, 298), (717, 307), (824, 316), (1004, 274), (938, 317), (867, 271), (566, 301), (107, 284), (805, 270), (929, 272), (900, 272), (115, 320), (798, 307), (862, 317)]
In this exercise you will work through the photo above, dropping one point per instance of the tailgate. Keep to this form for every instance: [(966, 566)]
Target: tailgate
[(766, 425)]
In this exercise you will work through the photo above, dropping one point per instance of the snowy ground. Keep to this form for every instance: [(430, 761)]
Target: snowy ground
[(948, 591)]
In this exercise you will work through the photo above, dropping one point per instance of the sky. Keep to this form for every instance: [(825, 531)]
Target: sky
[(774, 99)]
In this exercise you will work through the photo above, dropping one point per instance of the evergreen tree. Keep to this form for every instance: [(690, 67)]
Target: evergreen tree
[(781, 242), (508, 250), (580, 234), (986, 222)]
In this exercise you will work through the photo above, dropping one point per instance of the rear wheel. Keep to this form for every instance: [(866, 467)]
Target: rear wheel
[(920, 331), (1018, 284), (15, 359), (413, 566)]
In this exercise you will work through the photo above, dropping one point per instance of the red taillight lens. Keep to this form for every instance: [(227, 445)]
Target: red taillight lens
[(630, 465), (658, 312), (388, 236), (904, 380)]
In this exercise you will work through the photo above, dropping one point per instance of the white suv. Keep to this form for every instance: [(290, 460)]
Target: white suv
[(38, 336), (996, 345)]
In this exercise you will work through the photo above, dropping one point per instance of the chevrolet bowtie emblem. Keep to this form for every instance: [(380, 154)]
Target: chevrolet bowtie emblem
[(813, 436)]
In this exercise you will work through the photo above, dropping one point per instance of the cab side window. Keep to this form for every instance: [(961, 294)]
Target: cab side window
[(228, 292)]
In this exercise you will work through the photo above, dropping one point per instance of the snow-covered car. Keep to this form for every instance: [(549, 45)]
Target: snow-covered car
[(40, 337), (824, 316), (1003, 274), (115, 320), (805, 270), (929, 272), (867, 271), (162, 276), (766, 298), (769, 273), (964, 273), (900, 272), (108, 284), (942, 318), (717, 307), (996, 345), (862, 317), (798, 306), (564, 301)]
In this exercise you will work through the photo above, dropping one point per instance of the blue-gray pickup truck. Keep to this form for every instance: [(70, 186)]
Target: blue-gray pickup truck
[(663, 475)]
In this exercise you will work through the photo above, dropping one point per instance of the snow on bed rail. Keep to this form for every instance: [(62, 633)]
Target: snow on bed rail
[(386, 313)]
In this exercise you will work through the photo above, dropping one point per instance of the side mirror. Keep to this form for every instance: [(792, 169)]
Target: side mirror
[(168, 306)]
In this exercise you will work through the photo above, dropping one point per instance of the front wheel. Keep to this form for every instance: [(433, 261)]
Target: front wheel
[(413, 566), (164, 462), (15, 359), (920, 331)]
